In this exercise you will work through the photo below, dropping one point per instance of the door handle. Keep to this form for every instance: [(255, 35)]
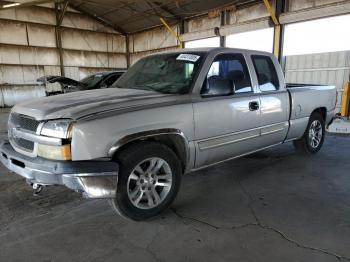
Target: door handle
[(253, 106)]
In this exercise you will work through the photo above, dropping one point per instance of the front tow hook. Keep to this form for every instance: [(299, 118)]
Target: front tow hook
[(37, 189)]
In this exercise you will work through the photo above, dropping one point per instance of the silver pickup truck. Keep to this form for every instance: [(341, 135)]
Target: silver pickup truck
[(169, 114)]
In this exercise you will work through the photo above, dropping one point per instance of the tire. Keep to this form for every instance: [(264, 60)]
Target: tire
[(148, 181), (313, 138)]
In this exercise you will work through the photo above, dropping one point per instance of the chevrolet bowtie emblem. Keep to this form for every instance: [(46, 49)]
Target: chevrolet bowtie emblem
[(13, 132)]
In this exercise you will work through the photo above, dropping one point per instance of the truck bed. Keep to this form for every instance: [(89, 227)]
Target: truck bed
[(304, 99)]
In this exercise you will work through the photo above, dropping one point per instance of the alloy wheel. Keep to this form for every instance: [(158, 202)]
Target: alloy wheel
[(315, 133), (149, 183)]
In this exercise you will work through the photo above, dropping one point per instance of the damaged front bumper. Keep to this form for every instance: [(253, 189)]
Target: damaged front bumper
[(93, 178)]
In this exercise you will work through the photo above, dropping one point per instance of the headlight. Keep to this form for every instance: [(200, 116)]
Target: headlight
[(62, 128), (58, 128), (55, 152)]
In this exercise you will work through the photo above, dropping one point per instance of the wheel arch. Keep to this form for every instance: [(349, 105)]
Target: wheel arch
[(322, 111), (173, 138)]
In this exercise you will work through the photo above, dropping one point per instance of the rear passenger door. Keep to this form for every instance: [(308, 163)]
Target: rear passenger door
[(227, 116), (274, 100)]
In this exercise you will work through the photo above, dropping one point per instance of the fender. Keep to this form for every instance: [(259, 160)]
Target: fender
[(149, 134)]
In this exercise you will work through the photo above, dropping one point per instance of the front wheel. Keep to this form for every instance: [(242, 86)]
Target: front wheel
[(148, 181), (313, 138)]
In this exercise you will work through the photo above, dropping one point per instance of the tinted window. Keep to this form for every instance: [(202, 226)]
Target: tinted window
[(110, 80), (266, 73), (92, 80), (232, 68)]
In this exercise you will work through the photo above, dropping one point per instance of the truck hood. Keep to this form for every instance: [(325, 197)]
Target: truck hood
[(65, 81), (85, 103)]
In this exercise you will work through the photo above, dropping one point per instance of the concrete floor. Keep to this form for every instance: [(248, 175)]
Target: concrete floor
[(271, 206)]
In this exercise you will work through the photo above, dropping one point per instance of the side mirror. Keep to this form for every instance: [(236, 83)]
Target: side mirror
[(104, 85), (215, 86)]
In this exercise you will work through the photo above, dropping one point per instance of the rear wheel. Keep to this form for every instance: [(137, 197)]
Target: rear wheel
[(148, 181), (313, 138)]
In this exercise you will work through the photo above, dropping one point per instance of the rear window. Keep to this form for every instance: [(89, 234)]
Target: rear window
[(266, 73)]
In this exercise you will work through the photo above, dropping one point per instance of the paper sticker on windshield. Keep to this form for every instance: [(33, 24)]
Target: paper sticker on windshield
[(188, 57)]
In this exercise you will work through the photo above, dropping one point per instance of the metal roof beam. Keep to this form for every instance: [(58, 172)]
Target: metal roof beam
[(63, 12), (101, 20), (168, 11)]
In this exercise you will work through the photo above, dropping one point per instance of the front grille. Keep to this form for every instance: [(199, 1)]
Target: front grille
[(24, 122), (24, 144)]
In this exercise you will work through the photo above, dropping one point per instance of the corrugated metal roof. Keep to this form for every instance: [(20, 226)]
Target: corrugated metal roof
[(131, 16)]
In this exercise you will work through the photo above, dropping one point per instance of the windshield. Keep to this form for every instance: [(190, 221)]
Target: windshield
[(168, 73), (92, 80)]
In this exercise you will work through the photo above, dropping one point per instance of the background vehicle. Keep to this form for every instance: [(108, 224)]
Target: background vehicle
[(94, 81), (171, 113)]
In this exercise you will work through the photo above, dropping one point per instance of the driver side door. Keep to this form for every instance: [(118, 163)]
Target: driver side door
[(227, 124)]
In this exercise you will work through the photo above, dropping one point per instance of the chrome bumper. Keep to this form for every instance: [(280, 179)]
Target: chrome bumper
[(94, 179)]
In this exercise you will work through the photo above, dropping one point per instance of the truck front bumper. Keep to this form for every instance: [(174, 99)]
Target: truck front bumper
[(94, 179)]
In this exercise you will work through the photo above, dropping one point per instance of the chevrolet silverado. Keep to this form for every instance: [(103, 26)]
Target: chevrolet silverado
[(169, 114)]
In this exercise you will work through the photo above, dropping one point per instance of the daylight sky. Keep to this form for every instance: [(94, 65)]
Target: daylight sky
[(318, 36)]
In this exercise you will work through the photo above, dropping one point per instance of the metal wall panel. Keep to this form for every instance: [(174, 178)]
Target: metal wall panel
[(75, 58), (80, 21), (198, 35), (28, 46), (242, 20), (152, 39), (72, 72), (325, 68), (317, 11), (13, 33), (116, 43), (17, 74), (101, 60), (70, 9), (9, 54), (36, 15), (11, 95), (92, 41), (84, 40), (41, 35), (72, 19), (24, 55), (203, 23), (8, 14), (137, 56), (295, 5), (91, 59), (245, 26), (117, 61), (88, 59), (250, 13), (31, 73), (52, 70), (38, 56)]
